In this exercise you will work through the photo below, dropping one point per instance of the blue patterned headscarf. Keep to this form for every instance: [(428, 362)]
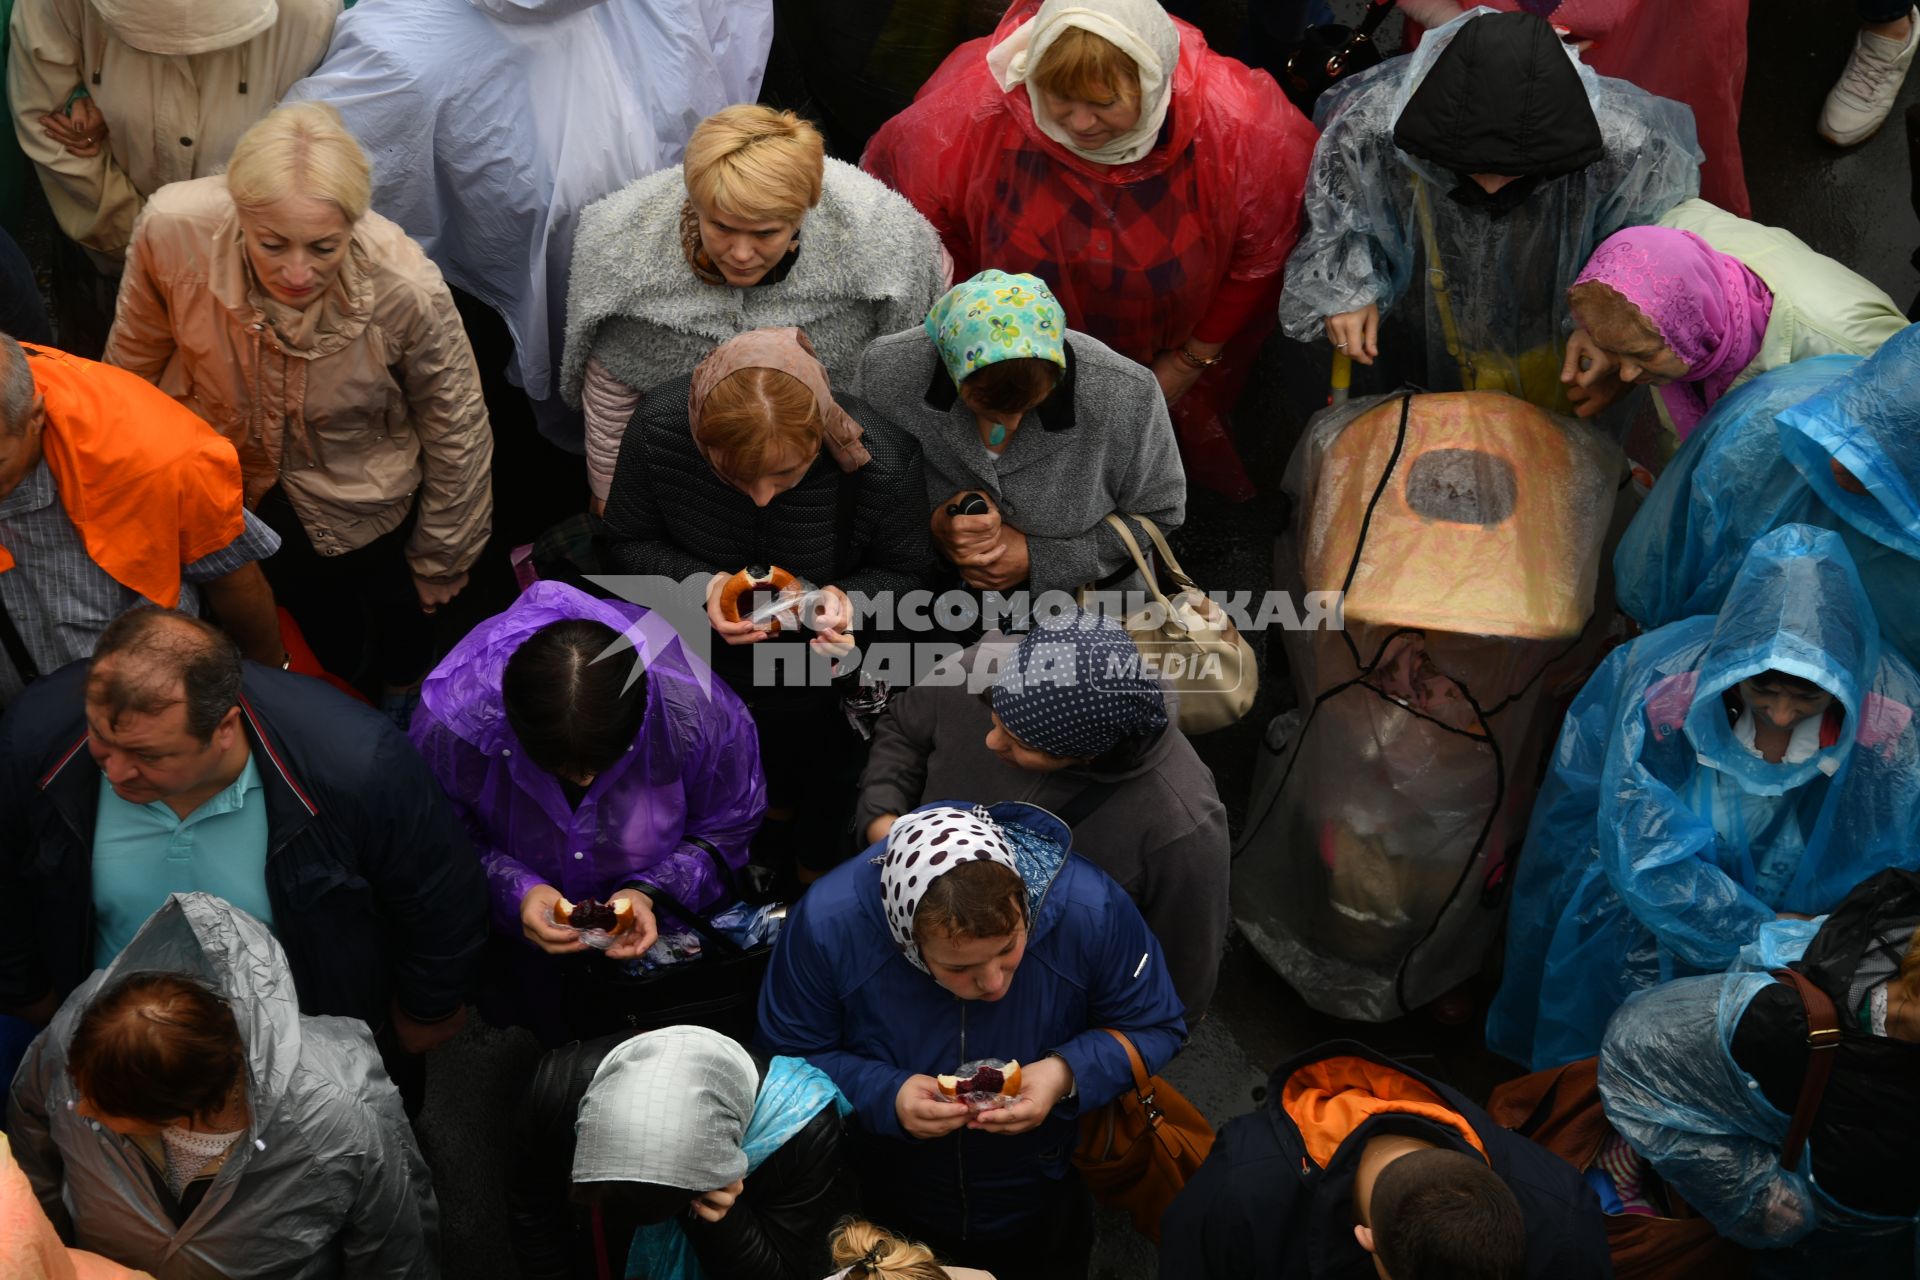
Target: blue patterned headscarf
[(995, 317), (1077, 686)]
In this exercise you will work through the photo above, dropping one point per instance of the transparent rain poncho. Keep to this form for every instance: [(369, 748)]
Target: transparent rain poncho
[(1659, 846), (1672, 1080), (328, 1182), (1501, 280), (1468, 536), (1763, 458)]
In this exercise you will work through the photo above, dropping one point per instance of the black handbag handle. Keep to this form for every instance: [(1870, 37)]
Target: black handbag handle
[(693, 919)]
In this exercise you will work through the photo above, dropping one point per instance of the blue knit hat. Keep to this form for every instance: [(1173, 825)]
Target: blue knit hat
[(1076, 687)]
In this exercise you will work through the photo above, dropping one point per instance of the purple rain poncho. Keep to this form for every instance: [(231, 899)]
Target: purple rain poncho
[(694, 771)]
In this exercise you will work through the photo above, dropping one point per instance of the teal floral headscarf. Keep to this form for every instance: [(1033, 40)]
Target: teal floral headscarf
[(995, 317)]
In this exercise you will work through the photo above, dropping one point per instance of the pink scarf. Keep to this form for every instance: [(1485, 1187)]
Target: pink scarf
[(1710, 310)]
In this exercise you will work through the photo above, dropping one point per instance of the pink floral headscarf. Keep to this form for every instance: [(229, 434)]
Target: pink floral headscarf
[(1710, 309)]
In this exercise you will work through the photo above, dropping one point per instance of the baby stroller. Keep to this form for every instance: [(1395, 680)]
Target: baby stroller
[(1466, 531)]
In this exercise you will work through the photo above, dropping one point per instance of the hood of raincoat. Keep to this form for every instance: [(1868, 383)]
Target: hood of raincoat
[(1866, 423), (327, 1158), (169, 27), (463, 692), (1503, 96), (1796, 606)]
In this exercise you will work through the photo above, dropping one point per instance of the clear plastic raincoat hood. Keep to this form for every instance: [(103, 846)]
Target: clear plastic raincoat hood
[(328, 1181), (1763, 458), (1659, 846), (1368, 204)]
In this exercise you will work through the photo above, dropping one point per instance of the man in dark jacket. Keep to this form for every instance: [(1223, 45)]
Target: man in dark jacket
[(1356, 1166), (271, 790), (588, 1134)]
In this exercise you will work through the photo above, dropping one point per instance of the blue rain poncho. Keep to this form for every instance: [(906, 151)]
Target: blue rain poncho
[(492, 123), (1763, 458), (1673, 1086), (1659, 845), (1506, 277)]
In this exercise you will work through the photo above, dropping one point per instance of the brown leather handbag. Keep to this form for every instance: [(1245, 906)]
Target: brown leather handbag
[(1139, 1150), (1559, 1109)]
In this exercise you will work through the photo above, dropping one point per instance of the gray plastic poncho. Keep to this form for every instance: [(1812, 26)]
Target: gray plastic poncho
[(328, 1181), (1504, 272)]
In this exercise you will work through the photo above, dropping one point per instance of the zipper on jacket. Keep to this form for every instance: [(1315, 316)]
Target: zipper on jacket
[(960, 1137)]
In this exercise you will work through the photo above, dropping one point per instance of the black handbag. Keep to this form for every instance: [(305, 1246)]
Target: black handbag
[(720, 989), (1330, 52)]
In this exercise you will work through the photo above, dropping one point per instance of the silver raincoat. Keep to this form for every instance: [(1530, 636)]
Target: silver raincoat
[(328, 1181)]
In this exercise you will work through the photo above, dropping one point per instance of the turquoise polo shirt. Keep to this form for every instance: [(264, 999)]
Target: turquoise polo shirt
[(143, 852)]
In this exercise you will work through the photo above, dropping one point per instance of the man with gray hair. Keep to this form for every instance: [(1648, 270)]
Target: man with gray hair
[(112, 494)]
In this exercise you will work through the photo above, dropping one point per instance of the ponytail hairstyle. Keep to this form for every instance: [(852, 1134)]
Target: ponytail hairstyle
[(867, 1252)]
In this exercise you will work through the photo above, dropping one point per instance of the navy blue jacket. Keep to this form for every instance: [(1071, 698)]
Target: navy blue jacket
[(1261, 1209), (376, 893), (842, 996)]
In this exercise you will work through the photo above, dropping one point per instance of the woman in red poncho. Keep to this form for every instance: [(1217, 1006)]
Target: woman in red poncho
[(1155, 185)]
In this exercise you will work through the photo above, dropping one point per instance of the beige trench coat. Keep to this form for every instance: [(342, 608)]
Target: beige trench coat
[(169, 118), (381, 404)]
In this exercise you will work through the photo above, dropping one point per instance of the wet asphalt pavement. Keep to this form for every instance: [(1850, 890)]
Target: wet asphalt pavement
[(1852, 205)]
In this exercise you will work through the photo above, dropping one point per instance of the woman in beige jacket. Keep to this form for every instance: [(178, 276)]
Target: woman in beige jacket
[(319, 339), (113, 99)]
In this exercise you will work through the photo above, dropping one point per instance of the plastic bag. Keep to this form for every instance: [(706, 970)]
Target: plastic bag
[(1372, 872)]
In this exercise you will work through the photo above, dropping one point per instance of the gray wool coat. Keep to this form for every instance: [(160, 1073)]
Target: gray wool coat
[(1162, 833), (1101, 443), (868, 265)]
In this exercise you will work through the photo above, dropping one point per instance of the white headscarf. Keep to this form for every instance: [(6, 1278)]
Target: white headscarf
[(921, 848), (670, 1107), (1140, 29)]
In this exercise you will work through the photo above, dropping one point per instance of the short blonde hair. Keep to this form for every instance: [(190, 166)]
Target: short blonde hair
[(301, 150), (755, 163), (1079, 64)]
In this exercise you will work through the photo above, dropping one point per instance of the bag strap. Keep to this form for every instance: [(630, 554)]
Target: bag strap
[(1140, 560), (1142, 1084), (1180, 577), (1437, 281), (15, 647), (693, 919), (1823, 1037), (1085, 802)]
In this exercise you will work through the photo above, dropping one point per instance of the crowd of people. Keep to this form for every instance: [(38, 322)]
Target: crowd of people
[(494, 518)]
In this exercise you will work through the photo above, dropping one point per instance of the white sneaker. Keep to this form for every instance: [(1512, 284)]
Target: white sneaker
[(1861, 101)]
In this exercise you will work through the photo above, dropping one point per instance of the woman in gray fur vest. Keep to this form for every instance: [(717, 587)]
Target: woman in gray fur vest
[(678, 262)]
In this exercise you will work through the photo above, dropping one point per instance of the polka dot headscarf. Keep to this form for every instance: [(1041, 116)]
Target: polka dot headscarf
[(921, 848), (1076, 687)]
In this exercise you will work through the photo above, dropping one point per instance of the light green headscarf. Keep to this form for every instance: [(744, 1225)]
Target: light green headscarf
[(995, 317)]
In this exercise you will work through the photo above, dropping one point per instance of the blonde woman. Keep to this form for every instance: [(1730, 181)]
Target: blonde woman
[(756, 229), (864, 1251), (317, 337)]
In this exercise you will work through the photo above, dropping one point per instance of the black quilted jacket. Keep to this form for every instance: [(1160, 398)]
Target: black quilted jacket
[(669, 514)]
